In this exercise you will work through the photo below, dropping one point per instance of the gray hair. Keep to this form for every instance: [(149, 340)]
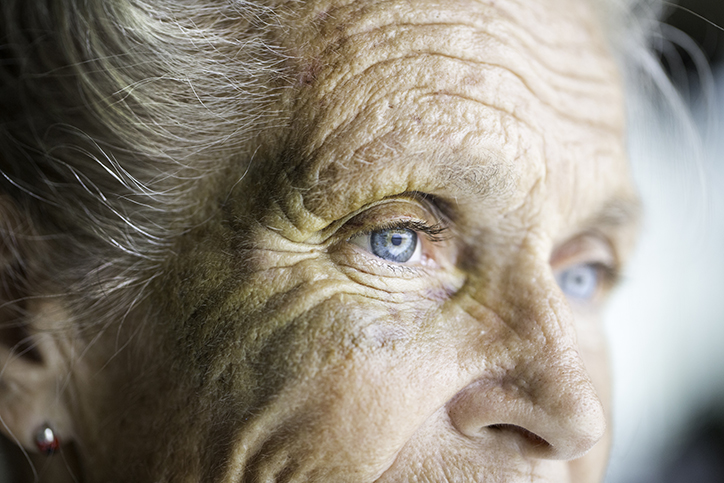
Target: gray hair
[(113, 116)]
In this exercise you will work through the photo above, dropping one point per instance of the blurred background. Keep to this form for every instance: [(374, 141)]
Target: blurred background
[(666, 323)]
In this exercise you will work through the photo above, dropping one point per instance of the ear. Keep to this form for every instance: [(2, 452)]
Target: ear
[(33, 368)]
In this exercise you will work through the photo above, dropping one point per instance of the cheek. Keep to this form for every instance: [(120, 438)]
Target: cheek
[(358, 380)]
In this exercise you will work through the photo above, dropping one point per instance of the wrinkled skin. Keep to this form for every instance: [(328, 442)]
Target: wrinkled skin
[(280, 348)]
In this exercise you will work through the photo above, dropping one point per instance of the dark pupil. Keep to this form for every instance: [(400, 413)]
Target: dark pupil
[(396, 239)]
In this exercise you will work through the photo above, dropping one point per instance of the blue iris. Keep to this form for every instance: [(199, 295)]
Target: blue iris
[(579, 281), (394, 244)]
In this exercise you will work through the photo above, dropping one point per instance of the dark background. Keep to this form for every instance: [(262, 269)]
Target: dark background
[(709, 37)]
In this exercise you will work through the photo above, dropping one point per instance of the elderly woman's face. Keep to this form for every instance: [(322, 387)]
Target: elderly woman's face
[(407, 287)]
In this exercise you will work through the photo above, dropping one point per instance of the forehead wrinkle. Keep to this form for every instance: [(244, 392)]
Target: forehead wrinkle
[(342, 101), (336, 28), (334, 89), (557, 89), (480, 102), (376, 132), (475, 79)]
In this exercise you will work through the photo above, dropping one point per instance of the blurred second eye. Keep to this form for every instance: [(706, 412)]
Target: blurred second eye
[(580, 281), (399, 245)]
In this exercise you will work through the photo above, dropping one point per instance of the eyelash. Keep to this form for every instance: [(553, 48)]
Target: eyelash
[(434, 233)]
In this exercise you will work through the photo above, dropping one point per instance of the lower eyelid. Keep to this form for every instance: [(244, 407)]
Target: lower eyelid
[(371, 265)]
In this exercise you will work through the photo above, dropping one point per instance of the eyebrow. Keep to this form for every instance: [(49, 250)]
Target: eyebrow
[(496, 176), (473, 177), (617, 211)]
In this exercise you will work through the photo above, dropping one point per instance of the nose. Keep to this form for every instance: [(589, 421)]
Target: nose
[(533, 388), (553, 413)]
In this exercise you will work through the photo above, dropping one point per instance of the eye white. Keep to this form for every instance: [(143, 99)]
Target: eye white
[(579, 281), (398, 245)]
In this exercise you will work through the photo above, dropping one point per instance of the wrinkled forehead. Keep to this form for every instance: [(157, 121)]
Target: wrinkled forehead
[(426, 95)]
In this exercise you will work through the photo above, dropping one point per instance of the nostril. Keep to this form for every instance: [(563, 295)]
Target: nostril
[(535, 413), (531, 441)]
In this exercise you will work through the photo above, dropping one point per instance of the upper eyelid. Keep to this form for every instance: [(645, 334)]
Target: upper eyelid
[(340, 229), (580, 248), (430, 222), (434, 232)]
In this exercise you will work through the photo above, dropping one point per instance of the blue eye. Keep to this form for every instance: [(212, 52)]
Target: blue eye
[(579, 281), (394, 244)]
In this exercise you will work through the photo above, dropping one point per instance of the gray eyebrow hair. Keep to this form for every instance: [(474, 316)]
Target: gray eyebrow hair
[(488, 173), (617, 211), (473, 178)]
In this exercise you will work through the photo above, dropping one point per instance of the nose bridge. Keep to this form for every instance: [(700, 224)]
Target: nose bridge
[(535, 386), (532, 305)]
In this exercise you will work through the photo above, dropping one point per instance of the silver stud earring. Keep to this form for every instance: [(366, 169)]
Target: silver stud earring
[(46, 440)]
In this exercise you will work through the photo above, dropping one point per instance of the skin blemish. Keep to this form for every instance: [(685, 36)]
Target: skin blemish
[(309, 74)]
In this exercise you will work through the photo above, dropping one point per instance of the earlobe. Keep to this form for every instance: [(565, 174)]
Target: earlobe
[(32, 364), (31, 396)]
